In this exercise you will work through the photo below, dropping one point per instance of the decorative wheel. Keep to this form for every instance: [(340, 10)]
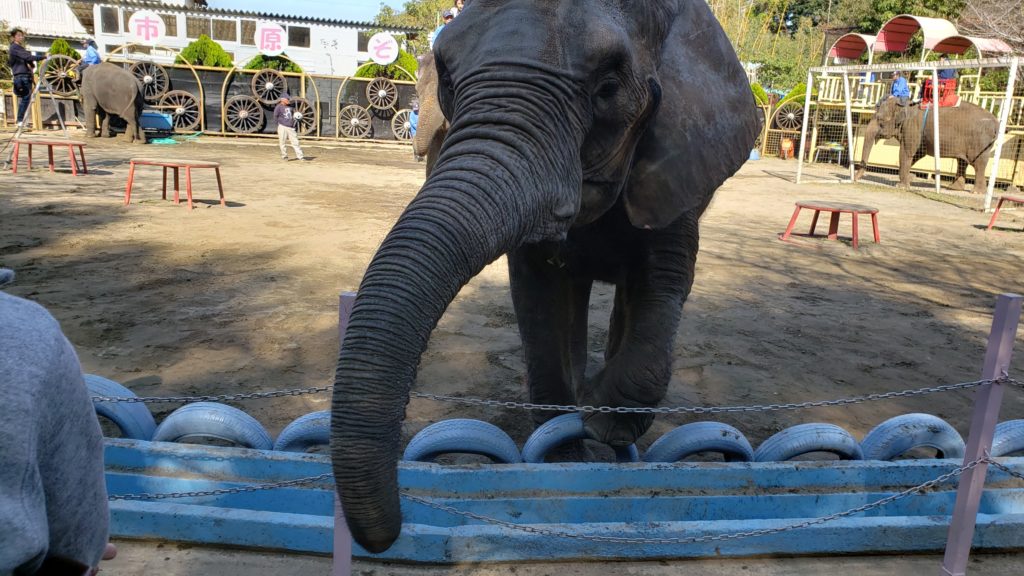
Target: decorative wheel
[(305, 116), (184, 107), (401, 125), (382, 93), (268, 85), (243, 114), (60, 75), (354, 122), (789, 116), (155, 81)]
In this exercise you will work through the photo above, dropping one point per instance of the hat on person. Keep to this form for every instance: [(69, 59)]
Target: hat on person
[(448, 14), (285, 96)]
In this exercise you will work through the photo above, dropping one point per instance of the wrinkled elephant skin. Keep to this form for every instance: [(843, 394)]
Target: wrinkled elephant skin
[(432, 126), (586, 139), (110, 90)]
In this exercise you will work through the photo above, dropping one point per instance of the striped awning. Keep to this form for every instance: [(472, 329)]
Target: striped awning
[(960, 44), (851, 46), (895, 34)]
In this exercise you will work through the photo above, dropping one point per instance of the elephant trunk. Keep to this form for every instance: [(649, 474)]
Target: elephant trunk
[(491, 192), (871, 134)]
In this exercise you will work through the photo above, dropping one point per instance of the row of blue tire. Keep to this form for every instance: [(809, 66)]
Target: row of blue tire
[(887, 441)]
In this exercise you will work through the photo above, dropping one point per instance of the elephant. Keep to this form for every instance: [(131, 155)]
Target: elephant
[(432, 126), (110, 90), (966, 132), (586, 139)]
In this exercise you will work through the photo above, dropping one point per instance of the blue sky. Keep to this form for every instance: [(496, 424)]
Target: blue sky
[(359, 10)]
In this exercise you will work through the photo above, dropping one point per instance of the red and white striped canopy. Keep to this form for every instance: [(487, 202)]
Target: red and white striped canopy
[(895, 34), (851, 46), (960, 44)]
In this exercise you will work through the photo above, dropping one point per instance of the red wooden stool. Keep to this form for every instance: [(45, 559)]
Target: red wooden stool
[(174, 165), (835, 209), (999, 206), (30, 142)]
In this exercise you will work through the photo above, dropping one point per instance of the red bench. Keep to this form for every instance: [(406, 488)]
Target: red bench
[(174, 165), (70, 144), (835, 209), (999, 206)]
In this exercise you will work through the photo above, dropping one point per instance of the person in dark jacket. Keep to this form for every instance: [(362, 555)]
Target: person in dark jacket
[(286, 119), (23, 65)]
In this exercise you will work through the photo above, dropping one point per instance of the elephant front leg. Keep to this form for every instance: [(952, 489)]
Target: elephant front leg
[(90, 121), (551, 308), (906, 161), (980, 178), (648, 307), (960, 181), (105, 126)]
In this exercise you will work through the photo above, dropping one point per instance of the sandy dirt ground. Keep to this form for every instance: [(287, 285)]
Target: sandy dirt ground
[(243, 298)]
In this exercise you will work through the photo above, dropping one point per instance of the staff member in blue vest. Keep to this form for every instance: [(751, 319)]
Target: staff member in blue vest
[(23, 65), (900, 88)]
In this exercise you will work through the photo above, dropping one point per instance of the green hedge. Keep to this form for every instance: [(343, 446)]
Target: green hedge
[(407, 62), (60, 46), (260, 62), (760, 96), (798, 91), (205, 52)]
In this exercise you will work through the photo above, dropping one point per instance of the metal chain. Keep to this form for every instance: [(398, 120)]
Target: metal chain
[(568, 408), (702, 539), (223, 491), (1005, 469)]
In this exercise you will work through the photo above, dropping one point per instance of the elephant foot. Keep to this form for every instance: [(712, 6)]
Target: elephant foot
[(957, 185)]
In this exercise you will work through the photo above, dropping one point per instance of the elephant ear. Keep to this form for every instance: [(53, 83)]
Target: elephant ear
[(704, 129)]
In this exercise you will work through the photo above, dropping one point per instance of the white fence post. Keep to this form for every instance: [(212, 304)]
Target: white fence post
[(803, 130), (979, 442), (1004, 117)]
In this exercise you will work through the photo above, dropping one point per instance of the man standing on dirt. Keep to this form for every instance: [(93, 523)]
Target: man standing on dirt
[(23, 65), (284, 115)]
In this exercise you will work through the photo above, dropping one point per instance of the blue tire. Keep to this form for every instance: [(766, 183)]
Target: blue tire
[(462, 436), (213, 420), (691, 439), (1009, 438), (562, 430), (897, 435), (133, 419), (305, 432), (806, 438)]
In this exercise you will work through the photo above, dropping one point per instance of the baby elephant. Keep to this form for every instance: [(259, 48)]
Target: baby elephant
[(110, 90)]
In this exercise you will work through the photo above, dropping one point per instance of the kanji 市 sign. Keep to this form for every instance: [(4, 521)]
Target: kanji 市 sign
[(383, 48), (270, 38), (146, 27)]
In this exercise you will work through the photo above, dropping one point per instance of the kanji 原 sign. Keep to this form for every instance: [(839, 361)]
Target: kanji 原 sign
[(383, 48), (270, 38), (146, 27)]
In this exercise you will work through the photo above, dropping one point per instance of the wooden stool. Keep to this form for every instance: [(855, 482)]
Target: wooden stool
[(999, 206), (835, 208), (174, 165), (50, 143)]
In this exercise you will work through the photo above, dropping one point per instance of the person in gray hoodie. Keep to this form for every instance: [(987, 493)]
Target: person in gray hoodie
[(53, 498), (286, 119)]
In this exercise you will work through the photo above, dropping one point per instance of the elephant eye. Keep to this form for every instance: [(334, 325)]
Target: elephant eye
[(607, 90)]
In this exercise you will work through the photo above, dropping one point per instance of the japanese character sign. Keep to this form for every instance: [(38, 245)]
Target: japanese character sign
[(383, 48), (270, 38), (146, 27)]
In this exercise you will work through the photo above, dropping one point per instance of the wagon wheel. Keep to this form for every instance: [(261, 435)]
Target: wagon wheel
[(305, 116), (354, 122), (155, 81), (382, 93), (789, 116), (184, 107), (61, 75), (401, 125), (268, 85), (243, 114)]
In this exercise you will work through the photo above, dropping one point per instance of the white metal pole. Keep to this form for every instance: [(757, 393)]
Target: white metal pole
[(803, 130), (935, 134), (849, 123), (1004, 117)]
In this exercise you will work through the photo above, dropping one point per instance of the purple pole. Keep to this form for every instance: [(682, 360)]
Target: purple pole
[(983, 425), (342, 536)]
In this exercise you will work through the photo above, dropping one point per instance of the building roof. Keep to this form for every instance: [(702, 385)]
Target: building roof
[(851, 46), (895, 34), (83, 10), (960, 44)]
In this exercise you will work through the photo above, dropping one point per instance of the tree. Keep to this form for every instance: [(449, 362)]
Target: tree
[(5, 40), (260, 62), (405, 65), (205, 52), (424, 15), (61, 46), (1000, 19), (881, 11)]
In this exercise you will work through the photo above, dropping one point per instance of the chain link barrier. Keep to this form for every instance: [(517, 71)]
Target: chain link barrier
[(568, 408), (592, 538)]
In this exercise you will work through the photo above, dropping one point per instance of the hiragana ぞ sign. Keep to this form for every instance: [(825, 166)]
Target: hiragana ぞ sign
[(383, 48), (146, 27), (270, 38)]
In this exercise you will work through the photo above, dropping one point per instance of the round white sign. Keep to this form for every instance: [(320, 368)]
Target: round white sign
[(383, 48), (146, 27), (270, 38)]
